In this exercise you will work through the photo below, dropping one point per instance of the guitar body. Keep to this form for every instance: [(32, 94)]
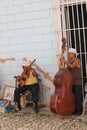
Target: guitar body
[(21, 83), (24, 74), (22, 80)]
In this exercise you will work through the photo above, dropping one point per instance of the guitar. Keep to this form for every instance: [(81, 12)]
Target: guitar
[(23, 76)]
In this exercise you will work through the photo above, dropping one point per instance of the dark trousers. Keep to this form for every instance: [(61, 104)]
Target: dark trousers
[(77, 90), (34, 89)]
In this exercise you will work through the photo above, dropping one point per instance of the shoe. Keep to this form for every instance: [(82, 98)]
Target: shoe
[(77, 114), (74, 113), (17, 107)]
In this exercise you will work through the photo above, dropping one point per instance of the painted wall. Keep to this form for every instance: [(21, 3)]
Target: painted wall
[(27, 30)]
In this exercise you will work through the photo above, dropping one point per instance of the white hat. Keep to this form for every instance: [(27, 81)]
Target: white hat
[(25, 63), (72, 50)]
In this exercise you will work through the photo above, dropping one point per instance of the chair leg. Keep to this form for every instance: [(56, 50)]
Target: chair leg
[(23, 101)]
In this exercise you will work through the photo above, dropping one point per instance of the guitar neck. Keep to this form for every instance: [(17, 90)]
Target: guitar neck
[(32, 62)]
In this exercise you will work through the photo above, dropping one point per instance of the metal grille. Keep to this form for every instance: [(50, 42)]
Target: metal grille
[(74, 28)]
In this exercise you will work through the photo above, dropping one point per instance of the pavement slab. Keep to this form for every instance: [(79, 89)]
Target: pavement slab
[(27, 119)]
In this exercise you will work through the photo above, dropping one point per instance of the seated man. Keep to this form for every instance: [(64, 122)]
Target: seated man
[(30, 83)]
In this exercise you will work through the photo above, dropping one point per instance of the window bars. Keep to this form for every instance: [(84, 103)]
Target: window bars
[(74, 27)]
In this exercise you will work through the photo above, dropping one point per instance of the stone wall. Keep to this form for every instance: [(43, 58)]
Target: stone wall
[(27, 30)]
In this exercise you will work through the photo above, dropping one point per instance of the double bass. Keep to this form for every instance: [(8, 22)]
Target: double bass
[(63, 100)]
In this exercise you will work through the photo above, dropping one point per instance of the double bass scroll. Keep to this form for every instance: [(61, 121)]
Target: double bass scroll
[(62, 65)]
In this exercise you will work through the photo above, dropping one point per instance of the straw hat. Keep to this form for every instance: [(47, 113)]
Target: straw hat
[(72, 50)]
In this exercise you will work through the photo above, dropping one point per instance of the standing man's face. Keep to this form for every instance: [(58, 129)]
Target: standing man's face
[(71, 55)]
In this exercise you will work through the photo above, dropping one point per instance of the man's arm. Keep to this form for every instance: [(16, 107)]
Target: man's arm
[(73, 65)]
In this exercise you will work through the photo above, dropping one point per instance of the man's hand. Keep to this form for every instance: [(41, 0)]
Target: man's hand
[(62, 59), (29, 68), (34, 73)]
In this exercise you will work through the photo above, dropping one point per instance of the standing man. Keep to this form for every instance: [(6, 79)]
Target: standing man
[(30, 83), (74, 66)]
